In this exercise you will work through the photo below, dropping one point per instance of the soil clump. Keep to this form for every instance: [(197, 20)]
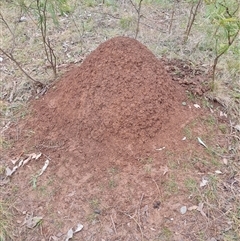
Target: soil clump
[(121, 93)]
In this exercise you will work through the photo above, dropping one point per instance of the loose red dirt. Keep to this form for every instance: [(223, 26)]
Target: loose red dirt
[(110, 128), (120, 94)]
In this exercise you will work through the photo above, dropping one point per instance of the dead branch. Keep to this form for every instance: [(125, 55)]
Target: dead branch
[(51, 57), (138, 10), (10, 56), (192, 17)]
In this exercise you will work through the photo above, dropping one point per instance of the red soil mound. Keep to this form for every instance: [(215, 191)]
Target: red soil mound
[(121, 90)]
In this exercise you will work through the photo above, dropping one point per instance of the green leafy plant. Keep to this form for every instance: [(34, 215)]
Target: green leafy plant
[(224, 16)]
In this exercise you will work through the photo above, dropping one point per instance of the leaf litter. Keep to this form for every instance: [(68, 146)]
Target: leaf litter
[(72, 231), (22, 162), (32, 221)]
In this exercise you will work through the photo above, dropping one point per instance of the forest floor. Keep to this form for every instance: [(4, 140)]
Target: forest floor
[(129, 142)]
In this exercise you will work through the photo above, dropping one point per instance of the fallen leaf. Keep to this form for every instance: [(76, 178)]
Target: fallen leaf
[(197, 106), (8, 171), (160, 149), (44, 167), (203, 182), (34, 155), (14, 161), (78, 228), (69, 234), (165, 170), (26, 161), (71, 231), (22, 162), (201, 142), (222, 114), (38, 156)]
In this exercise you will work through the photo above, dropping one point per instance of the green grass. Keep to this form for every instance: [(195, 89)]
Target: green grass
[(165, 234), (94, 203), (171, 185), (191, 184), (126, 22)]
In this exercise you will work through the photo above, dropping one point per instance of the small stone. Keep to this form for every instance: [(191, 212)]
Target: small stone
[(97, 211), (183, 210), (184, 103)]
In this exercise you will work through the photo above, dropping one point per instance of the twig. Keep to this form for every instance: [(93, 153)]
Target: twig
[(191, 19), (139, 208), (46, 41), (5, 22), (10, 56), (172, 15), (13, 91), (157, 188), (104, 13), (138, 10), (131, 217), (113, 224)]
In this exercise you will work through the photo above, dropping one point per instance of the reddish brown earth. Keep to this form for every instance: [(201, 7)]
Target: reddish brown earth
[(121, 95), (102, 126)]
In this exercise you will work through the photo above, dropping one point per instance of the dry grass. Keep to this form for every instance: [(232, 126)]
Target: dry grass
[(5, 221)]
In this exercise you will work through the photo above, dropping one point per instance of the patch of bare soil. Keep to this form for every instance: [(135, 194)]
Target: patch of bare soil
[(110, 128), (193, 78)]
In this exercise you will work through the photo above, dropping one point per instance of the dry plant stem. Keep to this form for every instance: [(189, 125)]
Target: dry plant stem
[(172, 15), (10, 56), (192, 17), (139, 213), (131, 217), (113, 224), (81, 33), (160, 196), (2, 18), (138, 10), (51, 57)]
